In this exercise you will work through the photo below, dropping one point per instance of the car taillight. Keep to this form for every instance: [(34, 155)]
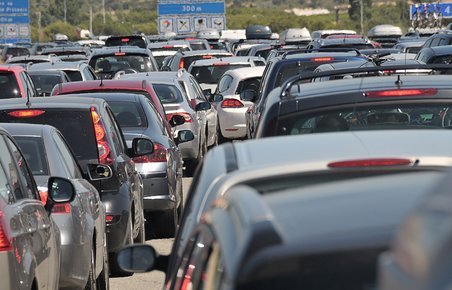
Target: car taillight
[(5, 244), (26, 113), (207, 56), (181, 63), (231, 103), (401, 93), (125, 40), (186, 116), (322, 59), (159, 155), (168, 46), (62, 208), (120, 53), (103, 147), (375, 162)]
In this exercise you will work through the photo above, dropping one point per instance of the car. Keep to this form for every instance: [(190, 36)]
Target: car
[(94, 136), (110, 61), (140, 41), (235, 93), (11, 51), (126, 86), (249, 230), (262, 50), (183, 59), (361, 103), (344, 42), (161, 50), (46, 80), (64, 50), (437, 54), (77, 71), (29, 239), (208, 72), (281, 68), (308, 159), (38, 47), (413, 46), (439, 39), (161, 171), (419, 254), (181, 95), (16, 82), (82, 221)]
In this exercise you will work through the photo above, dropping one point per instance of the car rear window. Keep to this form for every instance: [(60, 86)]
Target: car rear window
[(45, 83), (128, 114), (369, 117), (168, 93), (211, 74), (126, 41), (249, 84), (114, 63), (76, 127), (9, 86), (34, 152), (74, 75), (17, 51)]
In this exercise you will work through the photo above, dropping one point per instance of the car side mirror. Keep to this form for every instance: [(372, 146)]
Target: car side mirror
[(140, 147), (99, 172), (165, 68), (203, 106), (184, 136), (217, 98), (60, 190), (140, 259), (176, 120), (248, 95)]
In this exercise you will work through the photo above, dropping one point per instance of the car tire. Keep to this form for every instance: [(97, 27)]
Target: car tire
[(91, 284), (164, 223), (141, 238), (114, 267)]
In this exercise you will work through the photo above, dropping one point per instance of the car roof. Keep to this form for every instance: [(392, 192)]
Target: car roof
[(46, 72), (308, 148), (109, 50), (111, 96), (303, 55), (26, 129), (58, 65), (73, 102), (440, 50), (246, 72), (124, 84), (12, 67), (232, 59), (298, 222), (204, 52)]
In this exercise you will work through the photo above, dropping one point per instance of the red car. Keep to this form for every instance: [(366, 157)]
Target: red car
[(142, 87), (15, 82)]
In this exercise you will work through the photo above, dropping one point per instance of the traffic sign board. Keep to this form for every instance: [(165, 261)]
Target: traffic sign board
[(193, 8), (442, 9), (14, 21)]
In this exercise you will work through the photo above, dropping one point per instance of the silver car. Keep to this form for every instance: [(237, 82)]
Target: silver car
[(84, 261), (29, 239)]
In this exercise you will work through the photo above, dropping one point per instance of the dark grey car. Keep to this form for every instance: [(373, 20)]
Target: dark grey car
[(29, 239), (81, 222)]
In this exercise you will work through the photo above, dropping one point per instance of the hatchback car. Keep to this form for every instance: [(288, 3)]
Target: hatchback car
[(46, 80), (29, 239), (183, 59), (77, 71), (15, 82), (91, 130), (82, 221)]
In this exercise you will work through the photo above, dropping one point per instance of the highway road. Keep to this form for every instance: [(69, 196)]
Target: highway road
[(153, 280)]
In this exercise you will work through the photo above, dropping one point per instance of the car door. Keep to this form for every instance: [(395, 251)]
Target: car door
[(35, 243)]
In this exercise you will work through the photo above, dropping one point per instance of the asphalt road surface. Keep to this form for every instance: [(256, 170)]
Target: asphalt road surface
[(152, 280)]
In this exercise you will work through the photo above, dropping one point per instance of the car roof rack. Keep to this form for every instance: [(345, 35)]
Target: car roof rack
[(287, 85), (299, 51)]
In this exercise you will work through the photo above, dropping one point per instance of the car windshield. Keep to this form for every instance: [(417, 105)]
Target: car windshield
[(212, 74), (128, 114), (9, 86), (45, 83), (33, 150), (121, 61), (369, 117), (76, 127), (168, 93)]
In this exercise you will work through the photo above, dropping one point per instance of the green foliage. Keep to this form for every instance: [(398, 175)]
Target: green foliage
[(60, 27)]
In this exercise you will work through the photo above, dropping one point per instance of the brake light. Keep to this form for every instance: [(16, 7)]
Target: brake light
[(26, 113), (63, 208), (220, 64), (322, 59), (159, 155), (376, 162), (186, 116), (109, 218), (125, 40), (402, 93), (168, 46), (103, 147), (231, 103), (5, 244), (181, 63), (207, 56), (120, 53)]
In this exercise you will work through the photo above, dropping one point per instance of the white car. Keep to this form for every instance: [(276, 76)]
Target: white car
[(235, 93)]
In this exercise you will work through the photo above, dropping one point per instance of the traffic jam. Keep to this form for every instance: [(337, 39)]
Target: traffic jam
[(315, 160)]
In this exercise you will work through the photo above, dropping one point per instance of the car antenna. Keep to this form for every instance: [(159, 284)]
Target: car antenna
[(28, 103), (398, 82), (101, 81)]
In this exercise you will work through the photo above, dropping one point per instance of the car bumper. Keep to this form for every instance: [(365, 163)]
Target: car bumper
[(117, 231), (232, 122)]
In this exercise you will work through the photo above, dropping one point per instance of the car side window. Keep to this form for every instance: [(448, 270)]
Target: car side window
[(120, 143), (198, 90), (25, 83), (224, 83), (5, 189), (156, 117), (428, 43), (23, 172), (31, 84), (68, 157), (435, 42)]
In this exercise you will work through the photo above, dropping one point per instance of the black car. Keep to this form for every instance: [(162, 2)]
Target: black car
[(162, 170), (368, 101), (281, 68), (109, 61), (437, 54), (45, 80), (140, 41), (91, 130)]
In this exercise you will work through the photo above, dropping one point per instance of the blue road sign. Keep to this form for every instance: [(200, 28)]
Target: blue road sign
[(442, 9), (13, 7), (14, 21), (191, 8)]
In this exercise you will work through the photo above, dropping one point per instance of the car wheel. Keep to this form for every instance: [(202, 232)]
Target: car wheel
[(103, 281), (115, 269), (165, 223), (141, 238), (91, 284)]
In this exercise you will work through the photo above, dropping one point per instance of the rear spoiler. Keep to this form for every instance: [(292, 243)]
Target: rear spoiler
[(298, 51)]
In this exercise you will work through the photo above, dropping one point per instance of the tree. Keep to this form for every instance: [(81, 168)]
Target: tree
[(355, 9)]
